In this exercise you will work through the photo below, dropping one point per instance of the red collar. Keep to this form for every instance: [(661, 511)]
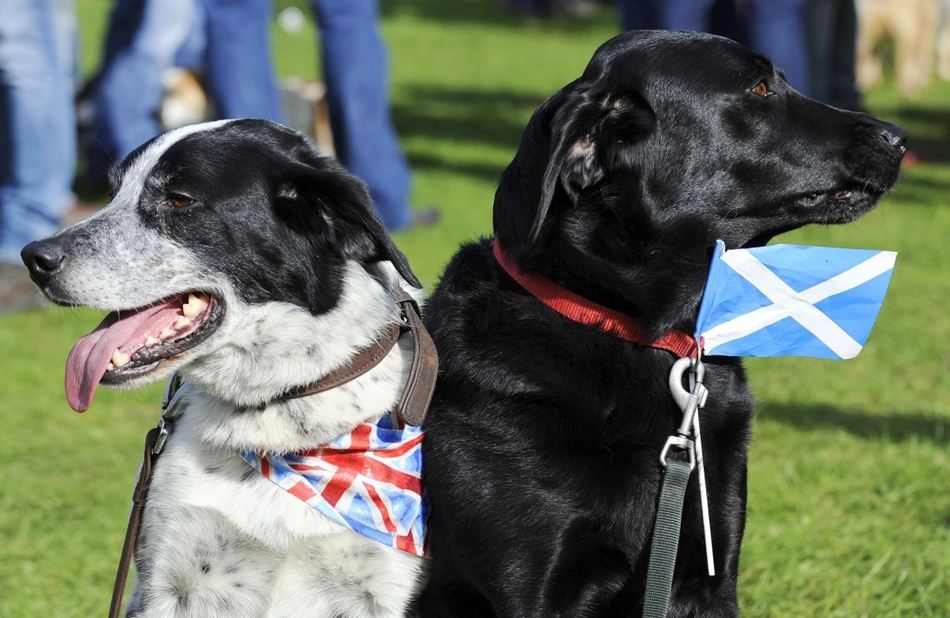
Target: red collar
[(579, 309)]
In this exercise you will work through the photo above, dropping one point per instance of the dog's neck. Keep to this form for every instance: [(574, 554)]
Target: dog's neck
[(585, 311), (643, 285), (277, 347)]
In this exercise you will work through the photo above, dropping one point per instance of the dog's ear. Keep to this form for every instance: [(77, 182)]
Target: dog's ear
[(348, 219), (572, 142)]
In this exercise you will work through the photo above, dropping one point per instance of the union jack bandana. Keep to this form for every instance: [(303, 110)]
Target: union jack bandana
[(369, 480)]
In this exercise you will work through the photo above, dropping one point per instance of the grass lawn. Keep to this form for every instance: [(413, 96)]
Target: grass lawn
[(849, 508)]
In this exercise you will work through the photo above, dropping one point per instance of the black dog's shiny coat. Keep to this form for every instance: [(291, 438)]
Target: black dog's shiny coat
[(543, 439)]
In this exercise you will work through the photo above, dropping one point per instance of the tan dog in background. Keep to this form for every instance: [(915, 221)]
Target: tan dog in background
[(920, 32)]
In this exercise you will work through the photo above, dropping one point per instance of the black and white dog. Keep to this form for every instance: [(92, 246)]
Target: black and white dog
[(236, 255), (543, 440)]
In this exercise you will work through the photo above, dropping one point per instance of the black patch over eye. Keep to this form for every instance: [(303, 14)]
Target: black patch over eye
[(178, 200), (762, 89)]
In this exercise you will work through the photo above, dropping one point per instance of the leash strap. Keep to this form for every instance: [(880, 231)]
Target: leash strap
[(666, 534), (417, 396), (135, 520)]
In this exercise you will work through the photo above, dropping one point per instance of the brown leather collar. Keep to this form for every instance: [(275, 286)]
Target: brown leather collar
[(417, 395)]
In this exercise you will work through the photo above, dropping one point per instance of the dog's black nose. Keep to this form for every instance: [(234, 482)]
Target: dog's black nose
[(895, 136), (43, 258)]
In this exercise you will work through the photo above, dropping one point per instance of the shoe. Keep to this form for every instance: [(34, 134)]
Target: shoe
[(17, 291)]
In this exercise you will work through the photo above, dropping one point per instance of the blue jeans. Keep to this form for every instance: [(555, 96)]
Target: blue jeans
[(240, 76), (144, 37), (832, 30), (355, 67), (37, 121), (684, 14), (775, 29), (637, 15)]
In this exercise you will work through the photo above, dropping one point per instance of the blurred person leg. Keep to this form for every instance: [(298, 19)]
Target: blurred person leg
[(831, 29), (37, 132), (355, 67), (820, 36), (684, 14), (724, 21), (776, 29), (144, 37), (240, 72), (844, 83), (637, 15)]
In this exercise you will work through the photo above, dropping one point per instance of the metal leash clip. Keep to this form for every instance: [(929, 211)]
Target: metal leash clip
[(171, 401), (690, 402), (681, 443)]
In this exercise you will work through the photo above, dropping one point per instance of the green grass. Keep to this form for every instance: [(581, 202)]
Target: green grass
[(849, 508)]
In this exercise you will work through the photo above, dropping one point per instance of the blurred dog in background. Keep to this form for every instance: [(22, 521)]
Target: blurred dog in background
[(920, 30)]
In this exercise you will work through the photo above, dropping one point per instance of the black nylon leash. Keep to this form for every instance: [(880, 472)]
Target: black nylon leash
[(669, 513), (666, 535)]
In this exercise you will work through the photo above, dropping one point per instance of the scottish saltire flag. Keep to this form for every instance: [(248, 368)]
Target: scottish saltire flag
[(369, 480), (789, 300)]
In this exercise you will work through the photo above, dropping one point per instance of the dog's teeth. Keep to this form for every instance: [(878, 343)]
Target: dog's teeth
[(150, 341), (119, 358), (168, 333), (194, 306), (182, 323)]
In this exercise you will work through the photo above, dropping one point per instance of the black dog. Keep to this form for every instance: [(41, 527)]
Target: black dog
[(543, 440)]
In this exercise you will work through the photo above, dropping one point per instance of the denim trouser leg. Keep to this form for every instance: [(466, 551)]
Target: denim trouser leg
[(130, 90), (776, 29), (37, 124), (684, 14), (355, 69), (240, 74), (637, 15), (831, 31)]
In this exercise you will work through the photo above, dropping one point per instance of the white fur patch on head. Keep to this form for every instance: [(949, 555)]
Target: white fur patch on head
[(134, 178), (122, 263)]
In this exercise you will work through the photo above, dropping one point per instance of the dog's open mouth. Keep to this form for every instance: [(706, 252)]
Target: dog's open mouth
[(132, 343)]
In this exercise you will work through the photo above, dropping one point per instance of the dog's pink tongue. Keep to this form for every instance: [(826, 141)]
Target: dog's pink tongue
[(90, 357)]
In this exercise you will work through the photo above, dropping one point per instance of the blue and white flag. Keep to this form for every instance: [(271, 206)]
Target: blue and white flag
[(790, 300)]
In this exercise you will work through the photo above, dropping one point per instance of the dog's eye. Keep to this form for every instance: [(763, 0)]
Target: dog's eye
[(762, 89), (178, 200)]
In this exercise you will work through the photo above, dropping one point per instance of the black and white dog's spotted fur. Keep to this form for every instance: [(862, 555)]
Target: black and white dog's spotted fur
[(289, 272)]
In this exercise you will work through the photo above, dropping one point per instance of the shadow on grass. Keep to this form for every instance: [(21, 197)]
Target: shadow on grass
[(464, 117), (892, 428), (481, 171), (928, 129), (919, 188)]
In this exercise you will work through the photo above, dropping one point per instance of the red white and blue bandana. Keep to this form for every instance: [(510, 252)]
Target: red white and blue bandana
[(369, 480)]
